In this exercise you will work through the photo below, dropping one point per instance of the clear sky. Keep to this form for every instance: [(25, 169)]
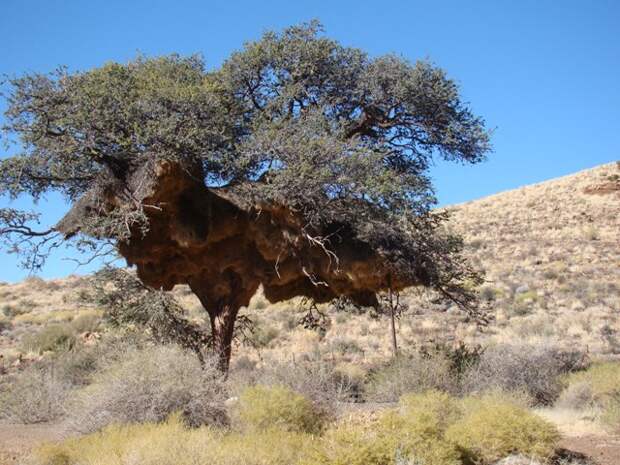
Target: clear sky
[(545, 74)]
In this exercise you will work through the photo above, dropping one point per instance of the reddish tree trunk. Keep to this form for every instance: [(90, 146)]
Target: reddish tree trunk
[(222, 331), (222, 304)]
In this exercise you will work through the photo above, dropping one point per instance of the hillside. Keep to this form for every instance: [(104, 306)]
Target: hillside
[(551, 252)]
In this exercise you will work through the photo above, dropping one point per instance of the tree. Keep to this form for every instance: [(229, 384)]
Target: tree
[(299, 165)]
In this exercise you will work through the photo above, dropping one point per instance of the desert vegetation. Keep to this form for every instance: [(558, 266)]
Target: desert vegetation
[(293, 296), (136, 393), (66, 363)]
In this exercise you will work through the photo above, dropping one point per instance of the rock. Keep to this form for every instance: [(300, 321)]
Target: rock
[(578, 306), (454, 309), (522, 289), (603, 188), (517, 459), (231, 401)]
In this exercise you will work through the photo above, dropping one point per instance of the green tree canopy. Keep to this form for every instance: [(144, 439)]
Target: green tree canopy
[(340, 140)]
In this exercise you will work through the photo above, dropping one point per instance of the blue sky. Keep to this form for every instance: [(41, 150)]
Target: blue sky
[(543, 73)]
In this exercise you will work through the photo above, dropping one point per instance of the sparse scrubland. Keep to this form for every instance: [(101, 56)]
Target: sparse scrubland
[(544, 367), (276, 425)]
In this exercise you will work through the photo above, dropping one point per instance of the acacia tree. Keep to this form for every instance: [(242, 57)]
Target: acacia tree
[(299, 165)]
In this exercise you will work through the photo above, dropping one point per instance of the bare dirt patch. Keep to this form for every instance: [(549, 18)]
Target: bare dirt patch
[(16, 441), (601, 450)]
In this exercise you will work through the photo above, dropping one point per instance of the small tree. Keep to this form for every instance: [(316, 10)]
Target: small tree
[(299, 165)]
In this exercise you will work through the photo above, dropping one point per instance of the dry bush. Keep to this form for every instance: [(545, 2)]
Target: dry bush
[(413, 373), (5, 324), (40, 392), (78, 365), (597, 387), (35, 395), (261, 408), (532, 369), (576, 396), (86, 321), (493, 427), (148, 385), (52, 337), (342, 346), (320, 381)]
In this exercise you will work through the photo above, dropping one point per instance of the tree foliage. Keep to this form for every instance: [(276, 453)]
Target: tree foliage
[(343, 139)]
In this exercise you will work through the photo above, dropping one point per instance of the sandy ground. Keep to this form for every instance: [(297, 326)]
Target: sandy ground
[(16, 441), (599, 449)]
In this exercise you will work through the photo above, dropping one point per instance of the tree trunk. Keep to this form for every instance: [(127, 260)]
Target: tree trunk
[(222, 305), (393, 331), (222, 330), (393, 303)]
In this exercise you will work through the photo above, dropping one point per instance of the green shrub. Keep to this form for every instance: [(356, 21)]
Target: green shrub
[(610, 415), (172, 443), (597, 387), (493, 427), (270, 447), (261, 407), (413, 433), (603, 379), (52, 337), (263, 334), (427, 414), (372, 445)]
